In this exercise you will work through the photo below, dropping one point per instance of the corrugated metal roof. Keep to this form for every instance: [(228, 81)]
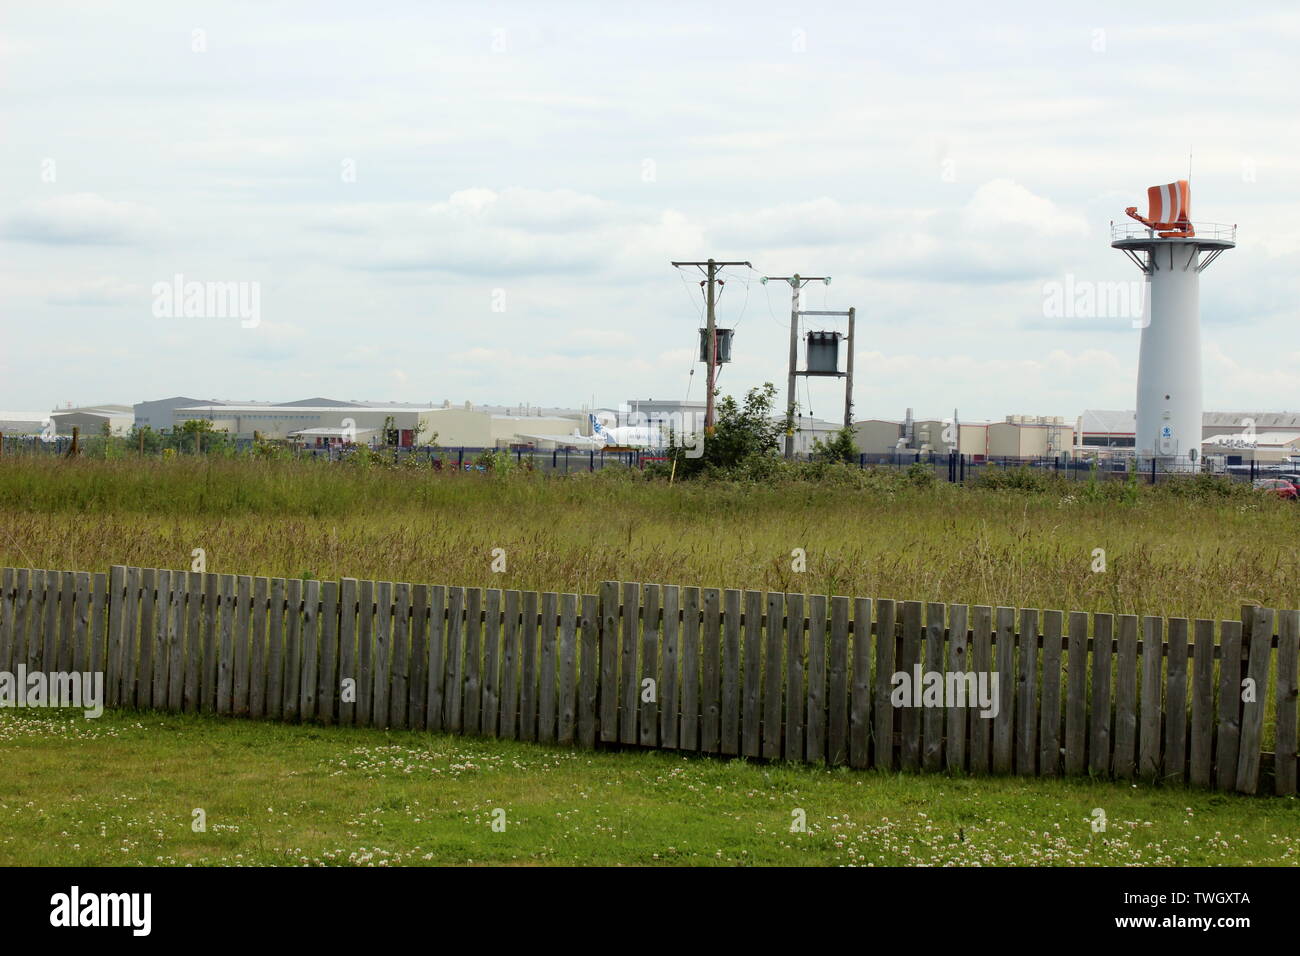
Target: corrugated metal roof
[(1102, 421)]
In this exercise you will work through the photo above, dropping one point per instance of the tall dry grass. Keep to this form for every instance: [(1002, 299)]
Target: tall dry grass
[(1164, 555)]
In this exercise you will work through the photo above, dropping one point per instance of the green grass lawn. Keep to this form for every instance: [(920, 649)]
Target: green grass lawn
[(121, 790)]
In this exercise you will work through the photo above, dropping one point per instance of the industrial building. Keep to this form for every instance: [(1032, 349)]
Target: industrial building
[(1238, 436), (1019, 436), (23, 423), (91, 419), (321, 422)]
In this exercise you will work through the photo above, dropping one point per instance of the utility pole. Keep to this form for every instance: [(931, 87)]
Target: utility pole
[(711, 268), (848, 370), (797, 282)]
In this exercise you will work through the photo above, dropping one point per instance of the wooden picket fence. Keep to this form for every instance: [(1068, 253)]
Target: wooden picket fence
[(730, 672)]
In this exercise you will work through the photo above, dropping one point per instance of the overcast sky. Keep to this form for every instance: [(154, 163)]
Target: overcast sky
[(480, 201)]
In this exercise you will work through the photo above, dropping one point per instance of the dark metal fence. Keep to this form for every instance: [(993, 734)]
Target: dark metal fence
[(944, 466)]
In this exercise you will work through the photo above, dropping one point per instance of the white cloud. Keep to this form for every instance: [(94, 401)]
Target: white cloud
[(82, 219)]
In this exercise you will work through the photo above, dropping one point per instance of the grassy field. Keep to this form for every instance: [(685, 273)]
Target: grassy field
[(122, 790), (878, 536)]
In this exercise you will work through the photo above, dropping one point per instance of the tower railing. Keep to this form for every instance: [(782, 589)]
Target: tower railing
[(1204, 230)]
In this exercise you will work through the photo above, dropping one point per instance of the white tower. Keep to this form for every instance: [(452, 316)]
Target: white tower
[(1167, 246)]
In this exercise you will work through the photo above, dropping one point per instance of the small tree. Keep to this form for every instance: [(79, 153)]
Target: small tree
[(841, 446), (744, 436)]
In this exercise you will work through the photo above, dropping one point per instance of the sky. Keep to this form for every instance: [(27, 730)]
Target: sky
[(480, 202)]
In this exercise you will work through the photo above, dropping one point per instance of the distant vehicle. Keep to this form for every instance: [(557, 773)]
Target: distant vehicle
[(1277, 486)]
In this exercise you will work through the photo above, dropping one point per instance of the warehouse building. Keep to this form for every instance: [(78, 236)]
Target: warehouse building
[(1266, 447), (325, 422), (23, 423), (1019, 436), (91, 419), (1227, 433)]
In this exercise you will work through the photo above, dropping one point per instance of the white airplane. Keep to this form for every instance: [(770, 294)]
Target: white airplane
[(628, 436)]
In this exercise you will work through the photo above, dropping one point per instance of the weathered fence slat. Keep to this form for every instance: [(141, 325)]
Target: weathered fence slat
[(1005, 722), (689, 721), (1027, 705), (67, 622), (22, 611), (959, 713), (933, 716), (528, 668), (588, 696), (568, 711), (167, 663), (628, 705), (1201, 766), (117, 596), (860, 696), (751, 705), (311, 639), (508, 721), (363, 715), (417, 682), (650, 640), (546, 705), (815, 692), (1126, 698), (347, 675), (243, 624), (669, 707), (1076, 665), (1103, 634), (490, 718), (226, 648), (794, 677), (143, 640), (328, 662), (710, 671), (454, 663), (257, 656), (1049, 726), (437, 654), (99, 602), (609, 611), (81, 628), (886, 649), (193, 640), (293, 649), (1226, 741), (7, 598), (773, 654), (837, 691), (909, 660), (275, 650), (731, 689), (1255, 700), (472, 706), (1288, 646), (1175, 742), (1149, 735)]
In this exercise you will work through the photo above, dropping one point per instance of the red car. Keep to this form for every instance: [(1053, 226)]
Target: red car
[(1278, 486)]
